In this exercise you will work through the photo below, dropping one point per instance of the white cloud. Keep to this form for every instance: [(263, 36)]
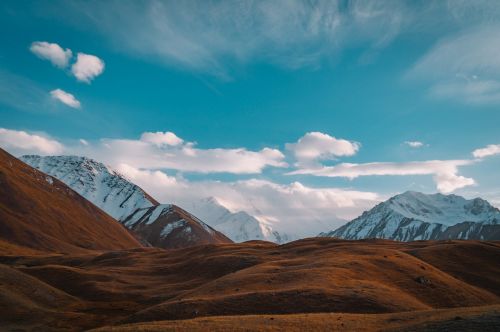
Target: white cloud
[(157, 180), (292, 208), (52, 52), (444, 171), (21, 142), (465, 67), (487, 151), (414, 144), (448, 182), (316, 146), (150, 153), (87, 67), (65, 98), (162, 138)]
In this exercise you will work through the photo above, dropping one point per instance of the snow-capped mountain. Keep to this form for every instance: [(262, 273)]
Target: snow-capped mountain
[(416, 216), (161, 225), (238, 226), (41, 213), (106, 188), (169, 226)]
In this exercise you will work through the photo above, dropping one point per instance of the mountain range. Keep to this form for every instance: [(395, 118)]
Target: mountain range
[(120, 198), (414, 216), (405, 217), (166, 226)]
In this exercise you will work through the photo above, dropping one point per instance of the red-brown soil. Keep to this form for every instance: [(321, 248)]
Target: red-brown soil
[(38, 212), (382, 282)]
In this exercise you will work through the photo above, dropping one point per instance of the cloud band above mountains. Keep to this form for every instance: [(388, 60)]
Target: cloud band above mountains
[(157, 160), (165, 150)]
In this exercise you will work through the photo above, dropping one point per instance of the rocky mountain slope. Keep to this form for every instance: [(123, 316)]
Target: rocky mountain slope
[(169, 226), (416, 216), (38, 211), (98, 183), (127, 202), (120, 198)]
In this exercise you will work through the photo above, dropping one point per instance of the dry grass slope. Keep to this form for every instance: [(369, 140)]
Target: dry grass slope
[(40, 213), (334, 278)]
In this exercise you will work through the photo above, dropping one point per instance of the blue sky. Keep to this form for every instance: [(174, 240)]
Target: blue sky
[(256, 75)]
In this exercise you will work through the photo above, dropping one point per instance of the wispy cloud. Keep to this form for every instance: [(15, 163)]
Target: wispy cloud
[(206, 36), (65, 98), (445, 172), (21, 93), (465, 67), (489, 150), (166, 150), (414, 144)]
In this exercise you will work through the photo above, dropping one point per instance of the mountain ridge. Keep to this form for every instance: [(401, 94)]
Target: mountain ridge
[(414, 216), (123, 200), (106, 188)]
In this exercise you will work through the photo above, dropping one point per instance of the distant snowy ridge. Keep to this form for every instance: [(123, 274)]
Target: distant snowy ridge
[(238, 226), (104, 187), (416, 216)]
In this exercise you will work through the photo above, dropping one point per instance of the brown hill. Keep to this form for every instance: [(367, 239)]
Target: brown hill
[(39, 212), (484, 319), (170, 227), (321, 275)]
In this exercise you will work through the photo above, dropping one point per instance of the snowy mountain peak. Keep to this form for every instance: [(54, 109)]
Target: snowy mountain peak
[(417, 216), (438, 208), (238, 226), (98, 183)]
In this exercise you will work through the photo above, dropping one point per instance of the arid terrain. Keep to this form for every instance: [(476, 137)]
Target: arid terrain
[(402, 283), (40, 212), (67, 266)]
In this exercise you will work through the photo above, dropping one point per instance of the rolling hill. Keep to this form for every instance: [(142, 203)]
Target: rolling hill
[(40, 212)]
